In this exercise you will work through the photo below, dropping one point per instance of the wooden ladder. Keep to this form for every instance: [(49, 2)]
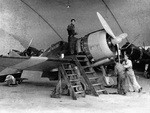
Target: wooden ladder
[(89, 75), (72, 79)]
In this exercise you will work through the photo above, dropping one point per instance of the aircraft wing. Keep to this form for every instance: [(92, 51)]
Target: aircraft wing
[(11, 64)]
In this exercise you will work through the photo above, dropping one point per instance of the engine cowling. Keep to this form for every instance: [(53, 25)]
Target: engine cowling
[(96, 45)]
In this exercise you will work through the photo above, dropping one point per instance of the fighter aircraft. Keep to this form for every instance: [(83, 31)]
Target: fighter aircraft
[(100, 46)]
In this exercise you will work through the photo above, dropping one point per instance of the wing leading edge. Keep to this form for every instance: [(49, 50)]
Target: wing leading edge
[(29, 63)]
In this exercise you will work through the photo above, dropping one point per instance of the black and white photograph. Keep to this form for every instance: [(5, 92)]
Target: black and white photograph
[(74, 56)]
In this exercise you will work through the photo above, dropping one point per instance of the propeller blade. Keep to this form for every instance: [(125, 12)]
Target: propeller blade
[(119, 38), (123, 35), (115, 40), (105, 25)]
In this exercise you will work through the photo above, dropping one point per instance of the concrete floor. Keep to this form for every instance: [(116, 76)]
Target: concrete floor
[(33, 96)]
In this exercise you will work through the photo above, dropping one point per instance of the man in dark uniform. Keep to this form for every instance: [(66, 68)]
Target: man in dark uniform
[(71, 34)]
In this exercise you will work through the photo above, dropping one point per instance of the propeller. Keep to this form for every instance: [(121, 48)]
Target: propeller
[(116, 39)]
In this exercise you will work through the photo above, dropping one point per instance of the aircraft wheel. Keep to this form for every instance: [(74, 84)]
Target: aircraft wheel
[(20, 81), (145, 74), (148, 75)]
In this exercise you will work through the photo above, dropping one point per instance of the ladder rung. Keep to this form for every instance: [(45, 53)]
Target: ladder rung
[(79, 92), (76, 86), (68, 69), (91, 78), (90, 72), (98, 91), (71, 74), (97, 84), (74, 80), (80, 56)]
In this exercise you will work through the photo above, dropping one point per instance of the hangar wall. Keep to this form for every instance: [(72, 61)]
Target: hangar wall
[(19, 24)]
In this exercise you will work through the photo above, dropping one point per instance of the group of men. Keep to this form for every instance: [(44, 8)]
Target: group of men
[(126, 79)]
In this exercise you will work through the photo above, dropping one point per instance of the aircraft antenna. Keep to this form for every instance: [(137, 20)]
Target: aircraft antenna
[(114, 18), (30, 43), (43, 19), (144, 45)]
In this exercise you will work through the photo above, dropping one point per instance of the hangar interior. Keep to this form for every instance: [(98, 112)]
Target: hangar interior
[(44, 22)]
